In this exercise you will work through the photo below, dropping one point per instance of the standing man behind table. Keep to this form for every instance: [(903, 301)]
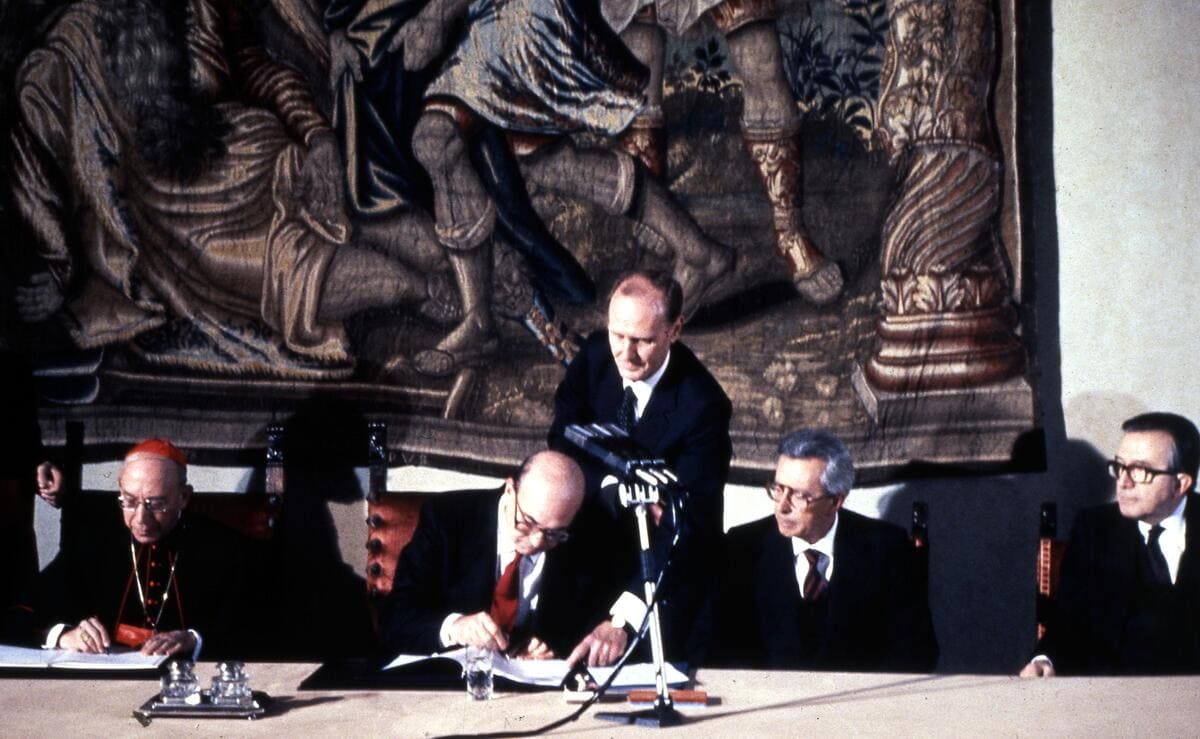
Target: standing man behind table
[(817, 586), (24, 468), (638, 375), (167, 584), (495, 569), (1129, 590)]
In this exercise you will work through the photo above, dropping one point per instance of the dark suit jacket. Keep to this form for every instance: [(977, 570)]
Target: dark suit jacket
[(450, 567), (1097, 586), (213, 571), (20, 453), (878, 617), (686, 423)]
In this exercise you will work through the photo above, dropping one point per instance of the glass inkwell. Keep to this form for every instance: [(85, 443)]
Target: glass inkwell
[(230, 686), (179, 684)]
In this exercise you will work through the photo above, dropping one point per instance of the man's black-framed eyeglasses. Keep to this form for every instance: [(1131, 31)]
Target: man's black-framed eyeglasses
[(1140, 474), (527, 525), (777, 491)]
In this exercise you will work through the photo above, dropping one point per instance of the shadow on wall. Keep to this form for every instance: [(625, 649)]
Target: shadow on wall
[(983, 534), (321, 608), (1098, 417)]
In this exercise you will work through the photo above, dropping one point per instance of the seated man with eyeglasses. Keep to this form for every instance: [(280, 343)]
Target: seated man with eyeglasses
[(818, 587), (167, 583), (496, 569), (1129, 589)]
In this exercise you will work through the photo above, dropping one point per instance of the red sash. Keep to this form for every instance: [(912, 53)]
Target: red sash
[(132, 636)]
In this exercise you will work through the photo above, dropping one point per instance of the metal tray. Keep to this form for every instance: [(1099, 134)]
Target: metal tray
[(155, 708)]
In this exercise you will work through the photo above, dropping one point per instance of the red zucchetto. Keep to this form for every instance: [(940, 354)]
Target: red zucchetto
[(159, 448)]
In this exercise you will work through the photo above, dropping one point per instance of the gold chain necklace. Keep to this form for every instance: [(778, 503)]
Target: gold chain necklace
[(166, 591)]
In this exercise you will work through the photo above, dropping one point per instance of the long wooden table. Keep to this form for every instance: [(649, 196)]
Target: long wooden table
[(747, 704)]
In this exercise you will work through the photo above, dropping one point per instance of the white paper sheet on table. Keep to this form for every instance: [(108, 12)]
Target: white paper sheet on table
[(11, 656), (550, 672), (638, 675)]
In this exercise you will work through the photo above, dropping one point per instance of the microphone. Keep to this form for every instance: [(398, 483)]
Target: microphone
[(632, 464)]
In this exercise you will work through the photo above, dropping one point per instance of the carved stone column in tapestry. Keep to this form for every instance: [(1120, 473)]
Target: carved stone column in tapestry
[(948, 315)]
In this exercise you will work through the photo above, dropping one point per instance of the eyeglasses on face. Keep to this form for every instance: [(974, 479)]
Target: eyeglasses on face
[(1140, 474), (777, 492), (527, 525), (153, 505)]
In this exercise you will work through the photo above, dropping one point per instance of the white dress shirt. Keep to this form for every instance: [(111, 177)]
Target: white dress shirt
[(1172, 540), (642, 389), (824, 545)]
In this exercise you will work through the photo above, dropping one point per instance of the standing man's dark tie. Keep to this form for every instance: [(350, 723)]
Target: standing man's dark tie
[(1158, 563), (814, 581), (627, 415)]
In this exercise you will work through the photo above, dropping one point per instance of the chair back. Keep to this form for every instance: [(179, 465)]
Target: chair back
[(391, 516), (919, 533), (1049, 563), (252, 514)]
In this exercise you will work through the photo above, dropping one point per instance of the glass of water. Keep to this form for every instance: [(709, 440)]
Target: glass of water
[(478, 672)]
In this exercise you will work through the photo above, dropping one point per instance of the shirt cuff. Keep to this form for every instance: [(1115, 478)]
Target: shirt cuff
[(199, 644), (53, 635), (1043, 658), (630, 609), (444, 633)]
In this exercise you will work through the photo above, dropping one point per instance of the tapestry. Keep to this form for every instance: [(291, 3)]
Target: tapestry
[(218, 215)]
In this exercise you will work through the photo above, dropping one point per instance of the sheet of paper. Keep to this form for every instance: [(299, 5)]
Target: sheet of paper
[(118, 661), (408, 659), (550, 672), (546, 672), (640, 675), (24, 657)]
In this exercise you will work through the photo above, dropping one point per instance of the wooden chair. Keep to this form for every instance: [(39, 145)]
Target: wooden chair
[(391, 517), (919, 532), (1049, 563), (253, 514)]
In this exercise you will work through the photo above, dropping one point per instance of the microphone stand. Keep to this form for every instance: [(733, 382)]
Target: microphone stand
[(663, 712)]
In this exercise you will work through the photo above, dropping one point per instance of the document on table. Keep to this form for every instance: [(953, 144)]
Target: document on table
[(11, 656), (638, 675), (550, 672)]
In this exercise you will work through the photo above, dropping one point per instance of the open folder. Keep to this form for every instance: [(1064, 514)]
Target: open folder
[(62, 659), (549, 673)]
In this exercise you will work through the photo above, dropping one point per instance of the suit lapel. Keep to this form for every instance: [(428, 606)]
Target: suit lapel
[(846, 584), (1121, 566), (554, 589), (479, 549), (656, 418), (1188, 576), (608, 393), (778, 595)]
